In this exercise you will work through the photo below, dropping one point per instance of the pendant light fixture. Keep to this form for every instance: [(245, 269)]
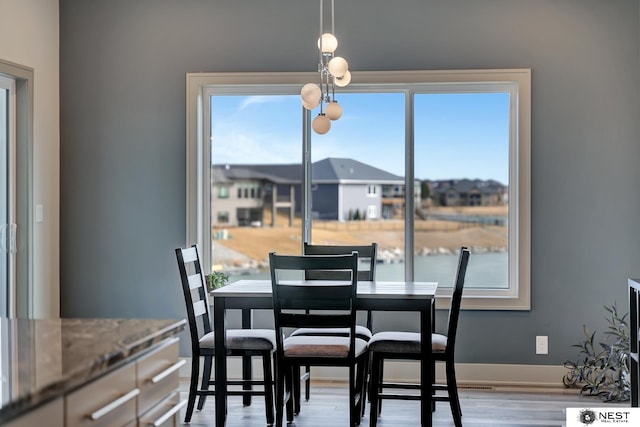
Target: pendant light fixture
[(334, 71)]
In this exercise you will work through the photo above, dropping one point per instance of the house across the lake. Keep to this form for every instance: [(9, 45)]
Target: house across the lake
[(342, 190), (468, 192)]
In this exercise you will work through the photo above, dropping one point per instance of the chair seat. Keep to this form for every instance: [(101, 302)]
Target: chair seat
[(404, 342), (361, 332), (244, 339), (321, 346)]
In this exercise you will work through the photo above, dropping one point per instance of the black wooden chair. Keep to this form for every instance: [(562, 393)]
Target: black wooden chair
[(316, 304), (366, 253), (239, 342), (406, 346)]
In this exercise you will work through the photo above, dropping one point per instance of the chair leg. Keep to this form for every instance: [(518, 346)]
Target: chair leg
[(307, 383), (290, 380), (193, 387), (380, 382), (247, 375), (268, 387), (296, 389), (206, 380), (374, 389), (354, 409), (452, 390), (361, 375), (280, 392), (365, 384)]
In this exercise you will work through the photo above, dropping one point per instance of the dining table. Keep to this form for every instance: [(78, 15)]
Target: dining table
[(251, 294)]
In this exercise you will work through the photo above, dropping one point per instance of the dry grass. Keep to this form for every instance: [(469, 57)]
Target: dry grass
[(256, 243)]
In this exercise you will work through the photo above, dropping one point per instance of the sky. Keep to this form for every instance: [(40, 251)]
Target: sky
[(461, 135)]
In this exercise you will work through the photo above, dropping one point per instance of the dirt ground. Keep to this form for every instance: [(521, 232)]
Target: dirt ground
[(256, 243)]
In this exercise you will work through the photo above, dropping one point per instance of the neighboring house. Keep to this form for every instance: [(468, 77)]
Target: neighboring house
[(341, 187), (346, 188), (468, 192), (240, 193)]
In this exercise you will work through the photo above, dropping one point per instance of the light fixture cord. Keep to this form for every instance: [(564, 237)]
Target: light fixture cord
[(322, 65)]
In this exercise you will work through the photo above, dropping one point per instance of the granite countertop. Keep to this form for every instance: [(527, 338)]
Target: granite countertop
[(41, 359)]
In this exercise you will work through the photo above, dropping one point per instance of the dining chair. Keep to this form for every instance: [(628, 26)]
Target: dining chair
[(366, 253), (406, 346), (239, 342), (316, 304)]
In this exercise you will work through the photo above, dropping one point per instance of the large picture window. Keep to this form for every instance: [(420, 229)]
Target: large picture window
[(447, 166)]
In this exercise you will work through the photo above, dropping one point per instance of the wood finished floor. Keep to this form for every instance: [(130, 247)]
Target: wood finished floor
[(502, 407)]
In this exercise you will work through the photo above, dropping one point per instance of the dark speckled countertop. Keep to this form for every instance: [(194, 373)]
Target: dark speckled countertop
[(41, 359)]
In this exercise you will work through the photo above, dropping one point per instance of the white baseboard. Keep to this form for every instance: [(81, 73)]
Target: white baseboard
[(473, 374)]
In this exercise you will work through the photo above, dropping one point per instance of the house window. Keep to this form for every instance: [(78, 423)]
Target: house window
[(223, 217), (434, 105), (223, 192)]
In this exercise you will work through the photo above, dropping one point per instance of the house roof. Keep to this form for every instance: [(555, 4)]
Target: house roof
[(334, 169), (279, 174), (329, 170)]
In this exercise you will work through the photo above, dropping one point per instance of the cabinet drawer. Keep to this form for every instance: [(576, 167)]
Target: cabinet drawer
[(107, 402), (158, 374), (50, 415), (165, 413)]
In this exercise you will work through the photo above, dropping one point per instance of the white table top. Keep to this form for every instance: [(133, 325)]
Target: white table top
[(366, 289)]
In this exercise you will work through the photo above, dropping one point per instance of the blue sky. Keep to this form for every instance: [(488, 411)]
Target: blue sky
[(456, 135)]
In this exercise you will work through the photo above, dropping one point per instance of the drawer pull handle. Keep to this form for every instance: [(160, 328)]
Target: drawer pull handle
[(170, 370), (171, 412), (114, 405)]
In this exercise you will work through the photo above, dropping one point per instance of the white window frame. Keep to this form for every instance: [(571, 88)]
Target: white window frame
[(23, 76), (516, 81)]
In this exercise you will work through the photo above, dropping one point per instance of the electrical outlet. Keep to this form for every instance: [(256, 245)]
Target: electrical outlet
[(542, 344)]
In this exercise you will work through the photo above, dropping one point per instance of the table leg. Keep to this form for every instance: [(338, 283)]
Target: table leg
[(220, 361), (426, 371)]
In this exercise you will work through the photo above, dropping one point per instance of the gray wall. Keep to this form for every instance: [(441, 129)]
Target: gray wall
[(123, 65)]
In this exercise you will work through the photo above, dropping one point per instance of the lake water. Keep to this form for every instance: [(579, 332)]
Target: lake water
[(485, 270)]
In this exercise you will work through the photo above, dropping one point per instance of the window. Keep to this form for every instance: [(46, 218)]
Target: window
[(442, 193), (223, 217), (16, 169), (223, 192)]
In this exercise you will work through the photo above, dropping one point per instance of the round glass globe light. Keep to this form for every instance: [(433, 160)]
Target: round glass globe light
[(338, 66), (311, 95), (321, 124), (345, 80), (333, 110), (329, 43)]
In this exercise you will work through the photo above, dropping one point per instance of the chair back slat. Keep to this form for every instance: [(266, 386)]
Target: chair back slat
[(199, 308), (330, 301), (297, 320), (195, 281), (189, 254), (456, 298), (195, 295), (365, 253)]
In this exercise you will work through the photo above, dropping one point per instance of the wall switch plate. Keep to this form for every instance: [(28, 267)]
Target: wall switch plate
[(542, 344)]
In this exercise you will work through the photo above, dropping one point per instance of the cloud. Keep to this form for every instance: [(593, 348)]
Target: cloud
[(259, 99)]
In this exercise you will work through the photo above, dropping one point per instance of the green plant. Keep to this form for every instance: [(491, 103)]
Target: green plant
[(603, 369), (217, 279)]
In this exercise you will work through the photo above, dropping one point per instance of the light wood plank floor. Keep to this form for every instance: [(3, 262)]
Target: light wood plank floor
[(500, 407)]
